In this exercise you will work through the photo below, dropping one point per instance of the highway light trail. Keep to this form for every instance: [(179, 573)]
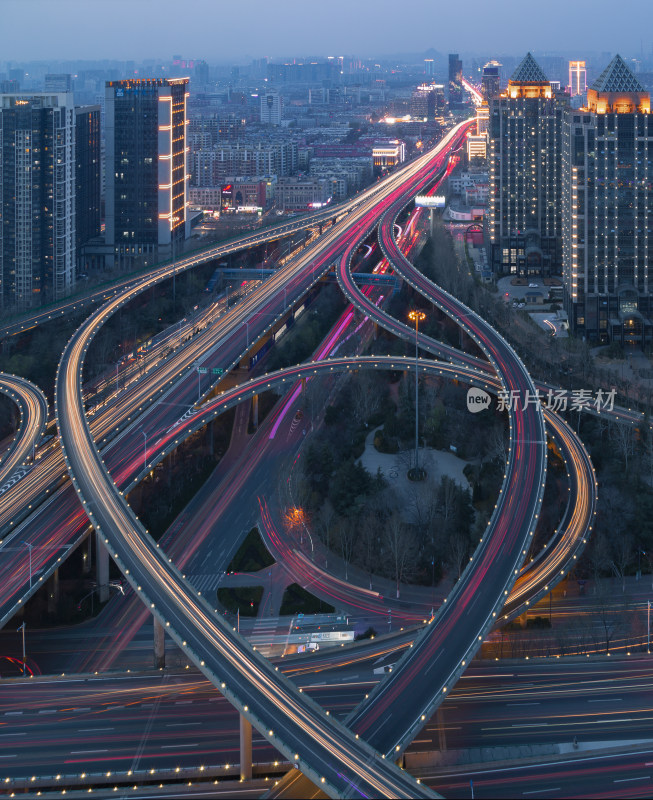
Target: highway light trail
[(263, 696), (33, 409), (334, 756)]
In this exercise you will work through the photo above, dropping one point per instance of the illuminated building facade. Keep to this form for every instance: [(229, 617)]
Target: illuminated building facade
[(271, 108), (524, 221), (482, 120), (88, 179), (455, 80), (146, 174), (608, 210), (386, 155), (37, 198), (491, 81), (577, 78), (477, 146), (426, 101)]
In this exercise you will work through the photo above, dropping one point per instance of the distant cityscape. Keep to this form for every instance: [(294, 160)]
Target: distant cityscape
[(287, 137)]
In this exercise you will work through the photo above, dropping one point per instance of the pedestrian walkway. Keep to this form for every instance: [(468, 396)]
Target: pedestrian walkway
[(204, 583)]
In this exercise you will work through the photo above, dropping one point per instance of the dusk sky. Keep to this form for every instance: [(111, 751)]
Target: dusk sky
[(237, 31)]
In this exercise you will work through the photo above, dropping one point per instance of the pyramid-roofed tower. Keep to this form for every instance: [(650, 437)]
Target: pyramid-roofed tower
[(529, 71), (617, 77), (529, 80), (618, 91)]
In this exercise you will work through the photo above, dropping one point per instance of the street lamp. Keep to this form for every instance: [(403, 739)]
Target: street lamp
[(29, 546), (22, 628), (416, 316)]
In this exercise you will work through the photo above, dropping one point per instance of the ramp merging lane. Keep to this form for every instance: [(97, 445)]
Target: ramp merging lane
[(33, 409), (54, 537), (326, 751), (281, 230), (534, 579), (336, 759), (388, 719)]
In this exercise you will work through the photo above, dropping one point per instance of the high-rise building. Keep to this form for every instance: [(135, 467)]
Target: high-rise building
[(58, 82), (201, 73), (9, 87), (88, 180), (146, 178), (37, 198), (491, 80), (426, 100), (482, 120), (524, 213), (455, 80), (577, 78), (608, 210), (429, 67), (271, 108)]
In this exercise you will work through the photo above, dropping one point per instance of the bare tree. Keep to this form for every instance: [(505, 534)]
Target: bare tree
[(497, 444), (346, 538), (368, 542), (599, 557), (401, 546), (623, 437), (422, 504), (605, 612), (366, 396), (326, 521), (447, 497), (622, 555), (458, 552)]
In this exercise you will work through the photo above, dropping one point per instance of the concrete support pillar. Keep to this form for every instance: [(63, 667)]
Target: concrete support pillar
[(245, 749), (432, 214), (303, 385), (101, 568), (53, 591), (159, 644), (376, 331), (255, 411)]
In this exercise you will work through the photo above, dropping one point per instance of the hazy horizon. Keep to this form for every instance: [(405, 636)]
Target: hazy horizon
[(143, 29)]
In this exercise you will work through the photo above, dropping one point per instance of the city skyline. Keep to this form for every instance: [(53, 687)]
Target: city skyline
[(82, 31)]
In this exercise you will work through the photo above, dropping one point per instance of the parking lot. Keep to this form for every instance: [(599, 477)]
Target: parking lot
[(518, 293)]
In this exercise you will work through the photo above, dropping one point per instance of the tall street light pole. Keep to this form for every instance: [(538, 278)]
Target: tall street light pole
[(22, 628), (416, 317), (29, 546)]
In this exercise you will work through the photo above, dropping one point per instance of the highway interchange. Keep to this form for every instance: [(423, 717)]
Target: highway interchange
[(178, 606)]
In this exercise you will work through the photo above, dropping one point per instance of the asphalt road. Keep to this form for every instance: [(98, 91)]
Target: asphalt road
[(326, 748), (33, 408), (154, 721)]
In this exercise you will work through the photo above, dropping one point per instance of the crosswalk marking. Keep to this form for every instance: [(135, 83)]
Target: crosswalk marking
[(205, 582)]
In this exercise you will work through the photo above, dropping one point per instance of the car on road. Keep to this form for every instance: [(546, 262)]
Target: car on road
[(533, 286), (303, 648)]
